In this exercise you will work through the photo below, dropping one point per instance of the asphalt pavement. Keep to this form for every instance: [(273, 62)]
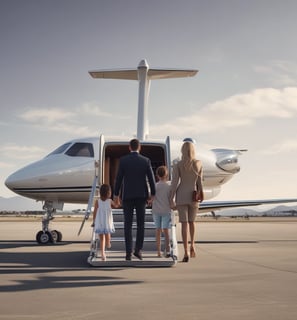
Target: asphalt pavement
[(243, 270)]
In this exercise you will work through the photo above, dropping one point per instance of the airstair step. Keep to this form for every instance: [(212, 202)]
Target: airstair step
[(117, 259), (118, 216), (115, 238)]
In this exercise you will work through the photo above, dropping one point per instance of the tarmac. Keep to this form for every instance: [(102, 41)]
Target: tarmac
[(243, 270)]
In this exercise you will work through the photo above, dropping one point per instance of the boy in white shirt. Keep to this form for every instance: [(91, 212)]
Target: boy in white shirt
[(161, 209)]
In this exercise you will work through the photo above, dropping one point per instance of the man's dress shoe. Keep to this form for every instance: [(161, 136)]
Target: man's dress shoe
[(128, 257), (138, 254)]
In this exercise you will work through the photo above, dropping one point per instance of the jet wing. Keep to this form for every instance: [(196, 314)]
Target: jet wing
[(208, 206)]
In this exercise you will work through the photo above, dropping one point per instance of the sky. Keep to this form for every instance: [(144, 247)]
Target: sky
[(244, 95)]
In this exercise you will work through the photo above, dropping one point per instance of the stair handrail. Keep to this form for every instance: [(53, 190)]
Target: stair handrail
[(91, 198)]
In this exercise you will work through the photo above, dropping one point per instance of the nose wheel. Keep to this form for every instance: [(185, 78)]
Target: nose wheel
[(56, 235), (46, 236)]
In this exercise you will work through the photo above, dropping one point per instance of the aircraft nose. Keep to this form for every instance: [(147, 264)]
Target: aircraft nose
[(227, 160), (21, 179), (12, 181)]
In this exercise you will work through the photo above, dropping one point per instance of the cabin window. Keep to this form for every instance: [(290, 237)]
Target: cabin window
[(60, 149), (81, 149)]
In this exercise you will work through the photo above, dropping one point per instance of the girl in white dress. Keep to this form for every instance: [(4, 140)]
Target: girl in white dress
[(103, 219)]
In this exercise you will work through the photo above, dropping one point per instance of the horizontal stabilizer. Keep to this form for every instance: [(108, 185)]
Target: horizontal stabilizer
[(115, 74), (171, 73), (132, 74)]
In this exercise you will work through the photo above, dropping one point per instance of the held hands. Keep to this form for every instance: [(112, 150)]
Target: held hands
[(150, 200), (173, 205), (117, 201)]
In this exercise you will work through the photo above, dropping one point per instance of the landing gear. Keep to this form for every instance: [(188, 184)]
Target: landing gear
[(56, 235), (46, 236)]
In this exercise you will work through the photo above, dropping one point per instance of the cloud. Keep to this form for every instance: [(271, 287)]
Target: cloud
[(91, 108), (236, 111), (69, 128), (240, 110), (14, 151), (58, 120), (286, 146), (4, 165), (280, 72), (49, 115)]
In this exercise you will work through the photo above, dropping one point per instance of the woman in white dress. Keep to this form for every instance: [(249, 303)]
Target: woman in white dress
[(103, 219)]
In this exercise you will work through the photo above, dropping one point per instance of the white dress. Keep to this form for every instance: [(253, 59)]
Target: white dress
[(104, 220)]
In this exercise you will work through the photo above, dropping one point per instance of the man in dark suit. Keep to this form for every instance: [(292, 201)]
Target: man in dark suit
[(133, 174)]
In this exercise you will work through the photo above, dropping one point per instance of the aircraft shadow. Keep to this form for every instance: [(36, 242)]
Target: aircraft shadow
[(35, 267), (56, 282), (13, 244)]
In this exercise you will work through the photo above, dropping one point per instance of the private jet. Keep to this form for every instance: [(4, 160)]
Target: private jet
[(75, 170)]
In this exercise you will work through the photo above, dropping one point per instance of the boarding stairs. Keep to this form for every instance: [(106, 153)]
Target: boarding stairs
[(116, 254)]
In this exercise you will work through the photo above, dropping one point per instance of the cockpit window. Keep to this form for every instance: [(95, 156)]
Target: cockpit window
[(81, 149), (60, 149)]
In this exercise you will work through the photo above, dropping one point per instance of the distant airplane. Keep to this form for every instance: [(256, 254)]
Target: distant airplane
[(69, 174)]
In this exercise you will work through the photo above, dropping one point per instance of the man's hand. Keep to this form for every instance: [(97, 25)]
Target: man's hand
[(150, 200), (117, 201)]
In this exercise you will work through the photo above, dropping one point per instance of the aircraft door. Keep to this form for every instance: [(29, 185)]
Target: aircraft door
[(101, 160), (168, 158)]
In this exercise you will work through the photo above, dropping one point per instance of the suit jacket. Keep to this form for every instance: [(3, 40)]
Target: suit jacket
[(134, 172)]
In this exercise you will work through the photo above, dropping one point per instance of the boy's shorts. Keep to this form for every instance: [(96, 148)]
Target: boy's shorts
[(162, 221)]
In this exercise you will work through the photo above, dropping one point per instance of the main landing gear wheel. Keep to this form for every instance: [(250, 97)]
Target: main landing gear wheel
[(44, 237)]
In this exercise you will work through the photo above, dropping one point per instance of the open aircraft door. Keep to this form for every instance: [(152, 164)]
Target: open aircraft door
[(168, 158), (101, 161)]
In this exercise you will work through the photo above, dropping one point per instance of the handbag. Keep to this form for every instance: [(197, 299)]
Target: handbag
[(197, 195)]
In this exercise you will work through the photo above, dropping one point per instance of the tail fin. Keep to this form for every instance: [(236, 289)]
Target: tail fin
[(143, 74)]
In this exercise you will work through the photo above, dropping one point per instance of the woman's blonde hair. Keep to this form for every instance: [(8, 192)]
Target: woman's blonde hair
[(188, 155)]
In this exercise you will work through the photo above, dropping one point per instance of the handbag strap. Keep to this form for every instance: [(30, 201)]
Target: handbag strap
[(199, 177)]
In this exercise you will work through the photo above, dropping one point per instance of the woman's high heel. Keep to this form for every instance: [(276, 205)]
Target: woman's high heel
[(192, 252), (103, 257), (186, 259)]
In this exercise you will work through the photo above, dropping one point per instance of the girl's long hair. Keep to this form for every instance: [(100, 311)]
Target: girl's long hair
[(104, 192)]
